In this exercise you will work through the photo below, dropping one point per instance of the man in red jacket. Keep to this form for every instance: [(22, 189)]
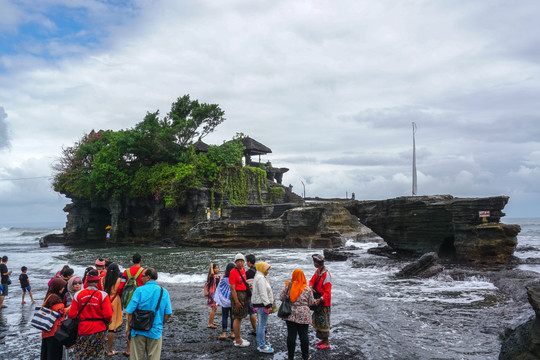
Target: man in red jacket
[(93, 307), (321, 285)]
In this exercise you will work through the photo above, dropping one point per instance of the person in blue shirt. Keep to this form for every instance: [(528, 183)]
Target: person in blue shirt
[(146, 297)]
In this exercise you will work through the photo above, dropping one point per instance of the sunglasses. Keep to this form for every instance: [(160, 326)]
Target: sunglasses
[(77, 282)]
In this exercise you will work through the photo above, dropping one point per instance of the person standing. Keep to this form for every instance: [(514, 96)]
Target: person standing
[(239, 298), (25, 284), (222, 297), (147, 297), (110, 284), (100, 267), (321, 285), (300, 318), (212, 281), (94, 319), (250, 275), (51, 349), (262, 300), (74, 285), (135, 271), (5, 282)]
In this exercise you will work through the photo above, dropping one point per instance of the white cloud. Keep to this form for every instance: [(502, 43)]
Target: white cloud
[(4, 133), (331, 88)]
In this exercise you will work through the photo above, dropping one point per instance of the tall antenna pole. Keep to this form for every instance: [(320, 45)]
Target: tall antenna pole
[(414, 185)]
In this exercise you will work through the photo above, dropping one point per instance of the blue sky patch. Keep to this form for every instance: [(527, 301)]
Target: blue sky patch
[(55, 31)]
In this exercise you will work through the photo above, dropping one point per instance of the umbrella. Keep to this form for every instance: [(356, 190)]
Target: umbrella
[(108, 227)]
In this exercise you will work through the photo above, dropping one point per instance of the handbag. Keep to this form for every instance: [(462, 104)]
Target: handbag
[(316, 295), (143, 320), (8, 281), (67, 332), (285, 309), (206, 292), (44, 318)]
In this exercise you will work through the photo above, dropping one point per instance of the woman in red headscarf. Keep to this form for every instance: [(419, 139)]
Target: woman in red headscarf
[(51, 349), (300, 318)]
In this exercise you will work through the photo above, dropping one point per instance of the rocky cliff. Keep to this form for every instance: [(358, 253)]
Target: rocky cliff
[(146, 221), (451, 227)]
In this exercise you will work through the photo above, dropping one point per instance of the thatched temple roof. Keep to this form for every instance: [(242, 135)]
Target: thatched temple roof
[(253, 147), (201, 147)]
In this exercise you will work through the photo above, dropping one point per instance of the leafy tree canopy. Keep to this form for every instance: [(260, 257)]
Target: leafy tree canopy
[(155, 158)]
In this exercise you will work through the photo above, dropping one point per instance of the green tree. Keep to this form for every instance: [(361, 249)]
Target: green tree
[(157, 158)]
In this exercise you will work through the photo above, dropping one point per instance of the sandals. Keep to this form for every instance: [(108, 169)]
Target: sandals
[(223, 337), (112, 353), (323, 347), (212, 326)]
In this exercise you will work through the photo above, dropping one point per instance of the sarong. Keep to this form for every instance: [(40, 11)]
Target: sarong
[(321, 322), (244, 300), (90, 346)]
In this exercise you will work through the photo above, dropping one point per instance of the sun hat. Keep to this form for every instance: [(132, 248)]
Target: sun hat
[(100, 262), (239, 257)]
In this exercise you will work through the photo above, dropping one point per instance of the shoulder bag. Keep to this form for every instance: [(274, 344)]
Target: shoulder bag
[(67, 332), (44, 318), (143, 320), (285, 309), (248, 289)]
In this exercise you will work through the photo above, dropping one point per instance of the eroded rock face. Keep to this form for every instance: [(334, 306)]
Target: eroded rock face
[(448, 226), (317, 226), (524, 341)]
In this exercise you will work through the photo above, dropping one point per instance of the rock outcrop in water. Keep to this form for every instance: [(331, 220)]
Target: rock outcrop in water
[(451, 227), (426, 266), (411, 226), (145, 221)]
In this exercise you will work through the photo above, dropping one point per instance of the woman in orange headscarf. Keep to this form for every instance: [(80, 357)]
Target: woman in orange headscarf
[(300, 318)]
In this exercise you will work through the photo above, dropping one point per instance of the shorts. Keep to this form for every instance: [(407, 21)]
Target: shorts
[(5, 291), (244, 300), (25, 289)]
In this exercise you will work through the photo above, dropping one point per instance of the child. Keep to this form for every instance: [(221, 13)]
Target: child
[(25, 284)]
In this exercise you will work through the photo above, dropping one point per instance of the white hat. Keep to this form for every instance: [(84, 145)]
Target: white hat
[(239, 257)]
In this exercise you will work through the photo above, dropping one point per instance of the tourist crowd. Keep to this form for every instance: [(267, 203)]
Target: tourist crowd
[(98, 299), (242, 293)]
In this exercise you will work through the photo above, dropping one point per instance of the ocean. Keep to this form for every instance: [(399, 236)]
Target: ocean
[(373, 314)]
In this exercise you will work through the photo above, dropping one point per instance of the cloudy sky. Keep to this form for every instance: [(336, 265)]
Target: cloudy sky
[(332, 87)]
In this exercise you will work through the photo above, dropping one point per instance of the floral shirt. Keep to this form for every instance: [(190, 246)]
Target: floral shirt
[(300, 314)]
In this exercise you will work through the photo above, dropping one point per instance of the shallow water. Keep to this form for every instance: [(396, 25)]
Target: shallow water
[(374, 316)]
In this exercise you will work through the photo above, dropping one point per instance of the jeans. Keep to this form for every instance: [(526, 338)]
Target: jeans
[(302, 330), (262, 316), (225, 314)]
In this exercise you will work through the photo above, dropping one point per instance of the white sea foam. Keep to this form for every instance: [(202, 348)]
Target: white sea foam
[(168, 278), (363, 246)]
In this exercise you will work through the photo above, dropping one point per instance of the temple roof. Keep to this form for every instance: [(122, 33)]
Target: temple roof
[(201, 146), (253, 147)]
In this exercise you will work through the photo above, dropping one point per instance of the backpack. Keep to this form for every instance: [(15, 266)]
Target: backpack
[(130, 287)]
